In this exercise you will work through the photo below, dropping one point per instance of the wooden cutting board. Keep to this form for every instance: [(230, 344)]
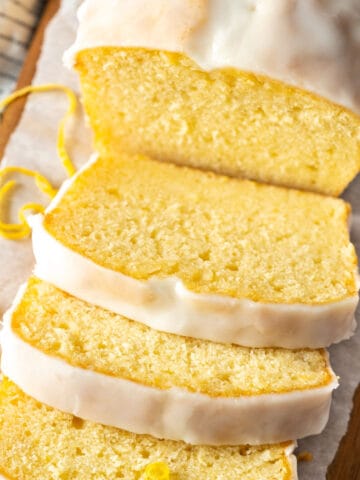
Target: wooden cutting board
[(346, 465), (13, 114)]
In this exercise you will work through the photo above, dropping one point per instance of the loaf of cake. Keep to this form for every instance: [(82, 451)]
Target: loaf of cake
[(183, 81), (40, 443), (147, 345), (199, 254), (105, 368)]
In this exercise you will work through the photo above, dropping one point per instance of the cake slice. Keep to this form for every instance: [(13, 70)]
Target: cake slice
[(38, 442), (168, 80), (105, 368), (202, 255)]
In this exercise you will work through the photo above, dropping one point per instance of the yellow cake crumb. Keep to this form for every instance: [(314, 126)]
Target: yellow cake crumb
[(164, 105), (38, 442), (89, 337), (147, 219)]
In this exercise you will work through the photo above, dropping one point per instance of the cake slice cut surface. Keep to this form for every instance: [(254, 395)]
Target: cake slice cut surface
[(106, 368), (226, 120), (38, 442), (202, 255)]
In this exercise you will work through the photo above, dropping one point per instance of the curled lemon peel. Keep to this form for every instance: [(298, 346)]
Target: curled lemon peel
[(157, 471), (41, 182), (60, 144), (17, 231)]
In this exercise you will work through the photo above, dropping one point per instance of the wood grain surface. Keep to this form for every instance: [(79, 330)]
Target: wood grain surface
[(346, 464), (13, 113)]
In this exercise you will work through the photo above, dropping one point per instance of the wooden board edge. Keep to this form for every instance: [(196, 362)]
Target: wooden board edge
[(346, 464), (13, 114)]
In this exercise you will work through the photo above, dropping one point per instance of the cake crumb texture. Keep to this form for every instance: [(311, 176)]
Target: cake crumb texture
[(147, 219), (164, 105), (38, 442), (89, 337)]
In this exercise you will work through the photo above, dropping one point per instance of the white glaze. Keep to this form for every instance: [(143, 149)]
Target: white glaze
[(176, 413), (293, 461), (308, 43), (293, 464), (167, 305)]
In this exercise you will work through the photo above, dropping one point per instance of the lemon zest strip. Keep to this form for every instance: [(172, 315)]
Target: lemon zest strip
[(16, 231), (41, 182), (7, 227), (22, 229), (60, 144), (157, 471)]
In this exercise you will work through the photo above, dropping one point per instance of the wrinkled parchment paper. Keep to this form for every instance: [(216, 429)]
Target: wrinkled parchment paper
[(33, 145)]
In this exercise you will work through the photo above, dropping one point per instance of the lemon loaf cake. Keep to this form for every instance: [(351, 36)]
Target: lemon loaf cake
[(202, 255), (105, 368), (171, 79), (38, 442)]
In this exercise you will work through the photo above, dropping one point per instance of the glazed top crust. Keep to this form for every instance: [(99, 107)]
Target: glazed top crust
[(313, 44)]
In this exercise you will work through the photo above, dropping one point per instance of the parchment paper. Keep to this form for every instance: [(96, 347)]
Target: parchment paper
[(33, 145)]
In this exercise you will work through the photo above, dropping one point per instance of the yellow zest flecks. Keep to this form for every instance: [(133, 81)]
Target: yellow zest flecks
[(305, 457), (157, 471), (15, 231)]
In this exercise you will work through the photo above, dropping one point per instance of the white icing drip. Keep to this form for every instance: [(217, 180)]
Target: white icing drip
[(307, 43), (175, 414), (293, 462), (167, 305)]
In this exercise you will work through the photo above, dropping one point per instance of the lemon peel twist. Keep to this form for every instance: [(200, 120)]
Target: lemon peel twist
[(17, 231), (51, 87), (157, 471)]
